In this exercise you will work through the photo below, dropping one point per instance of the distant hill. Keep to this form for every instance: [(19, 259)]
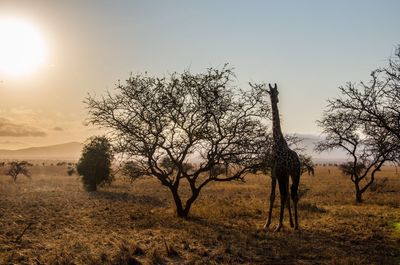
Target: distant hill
[(67, 151)]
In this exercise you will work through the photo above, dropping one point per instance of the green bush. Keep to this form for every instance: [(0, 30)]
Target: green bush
[(95, 163)]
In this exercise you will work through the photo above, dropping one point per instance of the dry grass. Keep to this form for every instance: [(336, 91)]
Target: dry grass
[(135, 223)]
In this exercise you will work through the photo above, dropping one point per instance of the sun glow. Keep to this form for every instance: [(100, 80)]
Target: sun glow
[(22, 47)]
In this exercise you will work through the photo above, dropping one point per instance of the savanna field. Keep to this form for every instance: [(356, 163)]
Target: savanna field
[(134, 222)]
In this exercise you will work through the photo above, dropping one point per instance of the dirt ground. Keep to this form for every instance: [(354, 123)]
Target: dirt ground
[(134, 223)]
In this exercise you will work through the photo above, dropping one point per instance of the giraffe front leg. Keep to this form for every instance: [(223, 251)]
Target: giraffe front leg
[(271, 203), (284, 194), (280, 224)]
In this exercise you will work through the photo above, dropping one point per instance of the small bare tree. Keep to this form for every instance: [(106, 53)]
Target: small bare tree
[(163, 124), (132, 170), (365, 122), (367, 152), (18, 167), (375, 103), (307, 165)]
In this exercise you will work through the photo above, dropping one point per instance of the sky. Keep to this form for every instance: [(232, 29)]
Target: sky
[(308, 47)]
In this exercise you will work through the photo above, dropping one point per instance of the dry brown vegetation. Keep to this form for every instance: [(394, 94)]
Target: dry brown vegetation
[(135, 224)]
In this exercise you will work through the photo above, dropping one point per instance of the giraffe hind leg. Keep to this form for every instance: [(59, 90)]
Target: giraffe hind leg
[(295, 176), (295, 199), (290, 210)]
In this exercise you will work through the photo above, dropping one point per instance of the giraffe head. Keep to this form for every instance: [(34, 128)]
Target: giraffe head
[(273, 92)]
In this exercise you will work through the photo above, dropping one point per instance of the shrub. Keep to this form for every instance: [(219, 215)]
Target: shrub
[(18, 167), (95, 163), (71, 170)]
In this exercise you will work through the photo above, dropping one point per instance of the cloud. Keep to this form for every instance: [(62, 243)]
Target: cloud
[(9, 128), (59, 129)]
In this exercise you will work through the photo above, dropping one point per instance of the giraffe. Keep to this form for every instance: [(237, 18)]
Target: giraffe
[(286, 162)]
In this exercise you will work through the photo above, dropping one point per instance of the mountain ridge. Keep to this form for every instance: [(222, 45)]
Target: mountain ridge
[(69, 150)]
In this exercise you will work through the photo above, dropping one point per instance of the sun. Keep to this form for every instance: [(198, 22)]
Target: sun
[(22, 47)]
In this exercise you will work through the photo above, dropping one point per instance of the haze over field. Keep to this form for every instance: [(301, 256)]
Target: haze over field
[(72, 150)]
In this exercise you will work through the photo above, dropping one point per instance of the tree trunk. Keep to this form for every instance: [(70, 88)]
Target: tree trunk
[(358, 193), (359, 197), (189, 202), (183, 212), (180, 212)]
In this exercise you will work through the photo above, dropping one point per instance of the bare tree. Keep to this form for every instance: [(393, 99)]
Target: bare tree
[(377, 102), (307, 165), (163, 124), (365, 122), (367, 152), (18, 167)]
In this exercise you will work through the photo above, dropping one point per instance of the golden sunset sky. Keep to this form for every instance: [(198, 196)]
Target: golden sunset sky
[(67, 49)]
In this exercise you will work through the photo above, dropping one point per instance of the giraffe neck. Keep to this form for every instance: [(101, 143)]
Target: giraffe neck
[(276, 125)]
